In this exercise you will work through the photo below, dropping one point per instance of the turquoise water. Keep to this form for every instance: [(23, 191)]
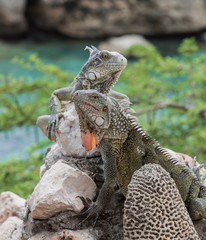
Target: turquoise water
[(69, 55)]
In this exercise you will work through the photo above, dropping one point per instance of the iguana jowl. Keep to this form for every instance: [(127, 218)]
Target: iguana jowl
[(125, 148), (100, 72)]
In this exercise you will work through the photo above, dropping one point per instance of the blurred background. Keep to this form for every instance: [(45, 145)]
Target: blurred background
[(42, 48)]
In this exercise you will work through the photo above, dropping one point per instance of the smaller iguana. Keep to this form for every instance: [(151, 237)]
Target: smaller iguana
[(153, 208), (125, 147), (100, 72)]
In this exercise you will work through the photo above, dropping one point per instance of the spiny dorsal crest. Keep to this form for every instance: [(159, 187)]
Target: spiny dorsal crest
[(141, 132), (92, 50)]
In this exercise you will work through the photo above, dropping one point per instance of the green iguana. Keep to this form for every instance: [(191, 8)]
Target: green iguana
[(100, 72), (125, 147)]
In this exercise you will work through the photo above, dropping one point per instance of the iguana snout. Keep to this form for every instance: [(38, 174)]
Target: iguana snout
[(95, 107)]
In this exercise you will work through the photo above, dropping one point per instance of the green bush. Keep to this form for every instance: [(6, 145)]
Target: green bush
[(23, 99), (21, 176)]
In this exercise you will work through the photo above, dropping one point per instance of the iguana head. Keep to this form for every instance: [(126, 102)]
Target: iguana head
[(104, 113), (95, 107), (102, 70)]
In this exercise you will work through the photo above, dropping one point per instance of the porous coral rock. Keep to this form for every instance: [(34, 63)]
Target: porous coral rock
[(154, 208)]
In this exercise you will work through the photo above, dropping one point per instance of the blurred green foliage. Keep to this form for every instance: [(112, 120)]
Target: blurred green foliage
[(169, 96), (21, 176), (23, 99), (168, 93)]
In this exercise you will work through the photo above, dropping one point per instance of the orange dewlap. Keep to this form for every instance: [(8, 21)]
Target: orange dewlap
[(88, 140)]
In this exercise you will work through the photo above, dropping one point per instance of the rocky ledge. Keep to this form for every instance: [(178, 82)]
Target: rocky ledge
[(94, 19)]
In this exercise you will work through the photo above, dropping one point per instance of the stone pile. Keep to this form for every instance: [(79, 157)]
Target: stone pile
[(12, 206), (51, 211), (67, 173)]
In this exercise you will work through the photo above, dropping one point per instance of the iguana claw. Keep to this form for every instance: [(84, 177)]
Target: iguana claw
[(92, 210), (196, 169), (52, 125)]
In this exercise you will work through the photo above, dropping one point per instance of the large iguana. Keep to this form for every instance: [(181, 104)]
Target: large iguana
[(125, 147), (100, 72)]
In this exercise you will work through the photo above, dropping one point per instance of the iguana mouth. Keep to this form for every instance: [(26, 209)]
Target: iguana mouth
[(109, 65), (91, 106)]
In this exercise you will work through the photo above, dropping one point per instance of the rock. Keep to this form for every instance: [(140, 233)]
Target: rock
[(12, 16), (11, 229), (109, 224), (52, 156), (119, 44), (68, 138), (11, 204), (203, 36), (92, 19), (46, 15), (58, 190), (55, 2), (154, 208), (42, 170), (65, 234), (68, 135)]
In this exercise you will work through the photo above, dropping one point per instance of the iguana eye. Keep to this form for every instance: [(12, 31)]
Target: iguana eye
[(105, 56)]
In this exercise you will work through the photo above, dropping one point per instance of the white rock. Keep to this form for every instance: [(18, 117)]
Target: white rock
[(11, 229), (65, 234), (52, 156), (13, 20), (119, 44), (10, 204), (42, 170), (68, 135), (58, 189)]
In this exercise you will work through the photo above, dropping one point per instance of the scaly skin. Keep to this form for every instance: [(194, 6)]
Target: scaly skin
[(100, 72), (125, 148)]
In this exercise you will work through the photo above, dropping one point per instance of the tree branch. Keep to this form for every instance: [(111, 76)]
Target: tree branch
[(161, 106), (202, 112)]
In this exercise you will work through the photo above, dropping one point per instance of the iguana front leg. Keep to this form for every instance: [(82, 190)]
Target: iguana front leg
[(108, 153), (197, 206), (62, 94)]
